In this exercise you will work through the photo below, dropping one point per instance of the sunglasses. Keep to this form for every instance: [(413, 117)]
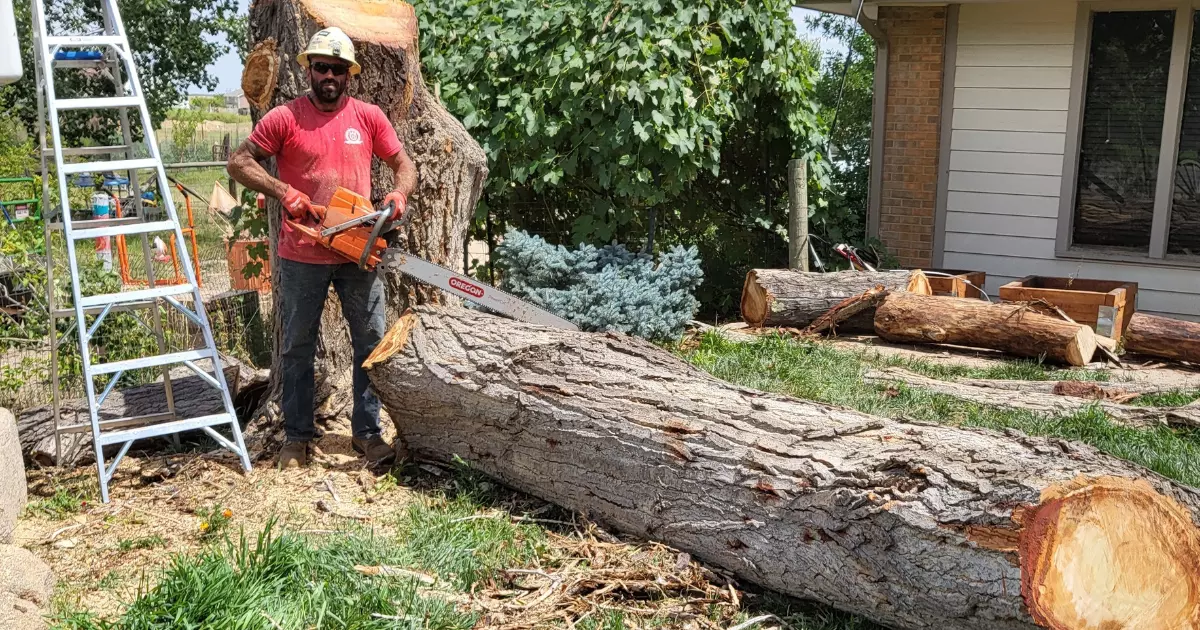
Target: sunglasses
[(337, 69)]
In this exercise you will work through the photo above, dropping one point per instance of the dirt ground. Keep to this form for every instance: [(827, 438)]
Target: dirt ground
[(168, 496)]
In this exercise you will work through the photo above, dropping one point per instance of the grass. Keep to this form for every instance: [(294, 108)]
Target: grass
[(145, 542), (1016, 370), (282, 581), (58, 506), (817, 371)]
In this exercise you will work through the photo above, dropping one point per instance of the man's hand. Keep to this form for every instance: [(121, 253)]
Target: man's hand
[(401, 204), (298, 204)]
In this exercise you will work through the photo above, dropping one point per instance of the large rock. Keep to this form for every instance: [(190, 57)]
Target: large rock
[(12, 476), (25, 575), (19, 614)]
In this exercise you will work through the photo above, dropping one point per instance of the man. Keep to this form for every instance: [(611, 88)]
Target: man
[(321, 141)]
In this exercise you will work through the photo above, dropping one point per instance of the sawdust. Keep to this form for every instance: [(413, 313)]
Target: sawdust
[(99, 559), (165, 498)]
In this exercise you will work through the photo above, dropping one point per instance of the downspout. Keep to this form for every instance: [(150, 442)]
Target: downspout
[(878, 116)]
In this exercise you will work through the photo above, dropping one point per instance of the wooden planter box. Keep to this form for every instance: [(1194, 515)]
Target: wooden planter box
[(237, 258), (1105, 305), (957, 286)]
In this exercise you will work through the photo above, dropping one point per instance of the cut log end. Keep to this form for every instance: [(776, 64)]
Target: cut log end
[(393, 340), (1110, 553), (756, 300), (918, 283), (1081, 349), (386, 22)]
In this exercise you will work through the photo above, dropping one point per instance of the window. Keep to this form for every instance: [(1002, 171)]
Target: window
[(1140, 100), (1124, 106)]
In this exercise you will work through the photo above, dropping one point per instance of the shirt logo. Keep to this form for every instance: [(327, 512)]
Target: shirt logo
[(353, 137)]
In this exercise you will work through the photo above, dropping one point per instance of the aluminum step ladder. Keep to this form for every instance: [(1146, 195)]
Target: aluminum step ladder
[(108, 48)]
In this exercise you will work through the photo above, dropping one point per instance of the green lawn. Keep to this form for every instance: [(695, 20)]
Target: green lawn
[(817, 371)]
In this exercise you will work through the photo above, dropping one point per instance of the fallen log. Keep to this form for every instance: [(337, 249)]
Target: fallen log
[(794, 299), (912, 525), (1012, 328), (1048, 403), (1163, 337), (193, 397)]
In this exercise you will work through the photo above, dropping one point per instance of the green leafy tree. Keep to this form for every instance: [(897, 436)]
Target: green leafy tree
[(173, 41), (604, 121), (845, 93)]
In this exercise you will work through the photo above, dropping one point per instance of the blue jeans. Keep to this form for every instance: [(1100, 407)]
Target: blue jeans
[(302, 291)]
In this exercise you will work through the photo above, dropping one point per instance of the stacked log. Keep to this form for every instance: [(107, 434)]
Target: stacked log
[(1163, 337), (912, 525), (1012, 328), (795, 299)]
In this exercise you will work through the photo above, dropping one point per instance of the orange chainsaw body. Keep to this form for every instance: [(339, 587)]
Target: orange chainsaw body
[(345, 206)]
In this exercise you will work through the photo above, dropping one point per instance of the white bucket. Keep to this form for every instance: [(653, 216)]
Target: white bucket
[(10, 46)]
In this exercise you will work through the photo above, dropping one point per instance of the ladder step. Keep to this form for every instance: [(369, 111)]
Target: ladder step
[(102, 102), (84, 40), (87, 64), (125, 297), (115, 423), (127, 229), (89, 151), (92, 310), (83, 224), (114, 165), (165, 428), (149, 362)]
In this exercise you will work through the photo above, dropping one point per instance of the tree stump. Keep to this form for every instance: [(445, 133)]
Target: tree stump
[(912, 525), (451, 166), (794, 299)]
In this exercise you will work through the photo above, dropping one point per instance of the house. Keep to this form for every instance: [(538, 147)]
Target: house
[(236, 102), (1056, 138)]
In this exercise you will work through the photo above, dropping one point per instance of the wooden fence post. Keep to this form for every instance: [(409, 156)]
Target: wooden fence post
[(797, 215)]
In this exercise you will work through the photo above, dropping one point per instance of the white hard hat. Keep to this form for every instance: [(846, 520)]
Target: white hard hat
[(330, 42)]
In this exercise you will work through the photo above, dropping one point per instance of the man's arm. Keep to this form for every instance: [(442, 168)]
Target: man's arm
[(245, 169), (405, 172), (405, 181)]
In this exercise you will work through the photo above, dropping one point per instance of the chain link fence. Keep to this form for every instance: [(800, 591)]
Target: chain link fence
[(238, 307)]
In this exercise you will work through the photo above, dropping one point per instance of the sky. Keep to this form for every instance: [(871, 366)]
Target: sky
[(228, 70)]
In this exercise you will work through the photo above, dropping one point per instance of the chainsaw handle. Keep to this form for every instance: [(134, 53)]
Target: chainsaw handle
[(365, 257)]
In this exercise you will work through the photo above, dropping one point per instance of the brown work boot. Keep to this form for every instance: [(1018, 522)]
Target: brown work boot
[(375, 449), (293, 455)]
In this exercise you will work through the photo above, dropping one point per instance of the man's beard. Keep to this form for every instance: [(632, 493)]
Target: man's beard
[(327, 91)]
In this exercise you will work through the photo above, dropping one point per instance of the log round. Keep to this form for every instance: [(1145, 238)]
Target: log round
[(1163, 337), (1012, 328), (794, 299), (451, 166), (911, 525)]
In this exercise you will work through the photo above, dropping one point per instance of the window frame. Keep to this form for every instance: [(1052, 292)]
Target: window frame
[(1169, 148)]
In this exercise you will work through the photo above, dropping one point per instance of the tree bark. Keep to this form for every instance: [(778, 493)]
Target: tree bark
[(1046, 403), (912, 525), (451, 166), (193, 398), (1163, 337), (795, 299), (1012, 328)]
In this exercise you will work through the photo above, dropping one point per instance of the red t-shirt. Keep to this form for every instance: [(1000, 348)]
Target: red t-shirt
[(316, 152)]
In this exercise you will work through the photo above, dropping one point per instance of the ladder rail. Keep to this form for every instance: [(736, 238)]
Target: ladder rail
[(46, 61)]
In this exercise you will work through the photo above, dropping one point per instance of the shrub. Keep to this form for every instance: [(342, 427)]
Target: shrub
[(603, 288)]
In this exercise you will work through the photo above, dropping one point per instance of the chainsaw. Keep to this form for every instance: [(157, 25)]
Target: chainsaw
[(354, 230)]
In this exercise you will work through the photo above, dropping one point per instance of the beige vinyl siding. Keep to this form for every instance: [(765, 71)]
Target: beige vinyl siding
[(1008, 134)]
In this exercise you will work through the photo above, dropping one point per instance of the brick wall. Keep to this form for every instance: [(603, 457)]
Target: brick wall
[(916, 48)]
